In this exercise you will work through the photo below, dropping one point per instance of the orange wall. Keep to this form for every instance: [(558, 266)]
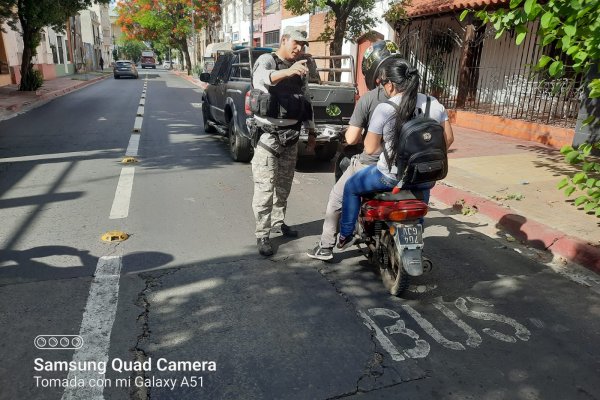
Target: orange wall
[(48, 72), (550, 135)]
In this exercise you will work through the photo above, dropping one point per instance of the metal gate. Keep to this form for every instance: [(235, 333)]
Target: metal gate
[(472, 71)]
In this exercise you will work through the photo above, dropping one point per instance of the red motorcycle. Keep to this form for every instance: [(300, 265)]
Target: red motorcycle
[(389, 225)]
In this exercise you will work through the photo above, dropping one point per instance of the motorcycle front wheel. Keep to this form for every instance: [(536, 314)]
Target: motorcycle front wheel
[(395, 278)]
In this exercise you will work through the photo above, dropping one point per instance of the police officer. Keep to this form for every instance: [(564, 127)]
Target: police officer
[(286, 108)]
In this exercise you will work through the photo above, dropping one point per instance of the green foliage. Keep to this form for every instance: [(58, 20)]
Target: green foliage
[(34, 80), (396, 13), (197, 69), (131, 49), (29, 18), (350, 18), (572, 26), (586, 183)]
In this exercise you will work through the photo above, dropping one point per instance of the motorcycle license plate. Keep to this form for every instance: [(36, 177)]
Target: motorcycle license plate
[(410, 234)]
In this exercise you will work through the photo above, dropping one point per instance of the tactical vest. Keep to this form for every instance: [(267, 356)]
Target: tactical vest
[(285, 100)]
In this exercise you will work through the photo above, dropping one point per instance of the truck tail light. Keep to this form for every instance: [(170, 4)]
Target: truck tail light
[(247, 104)]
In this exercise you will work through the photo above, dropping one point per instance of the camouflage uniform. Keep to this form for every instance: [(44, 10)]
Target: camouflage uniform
[(277, 147), (273, 177)]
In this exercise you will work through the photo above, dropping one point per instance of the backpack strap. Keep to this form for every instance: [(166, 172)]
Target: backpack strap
[(427, 107)]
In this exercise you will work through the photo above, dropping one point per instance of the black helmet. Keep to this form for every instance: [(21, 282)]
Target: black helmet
[(374, 57)]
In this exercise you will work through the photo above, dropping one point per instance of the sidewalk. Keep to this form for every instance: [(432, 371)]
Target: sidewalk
[(13, 102), (193, 79), (511, 181)]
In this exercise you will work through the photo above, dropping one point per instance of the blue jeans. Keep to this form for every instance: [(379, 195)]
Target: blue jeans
[(368, 180)]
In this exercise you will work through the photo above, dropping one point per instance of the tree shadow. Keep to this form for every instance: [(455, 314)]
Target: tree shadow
[(53, 262)]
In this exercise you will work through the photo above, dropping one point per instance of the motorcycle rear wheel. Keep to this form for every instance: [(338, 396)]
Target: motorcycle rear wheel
[(395, 278)]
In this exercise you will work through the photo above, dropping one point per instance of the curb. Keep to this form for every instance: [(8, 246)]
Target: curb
[(191, 79), (60, 92), (44, 98), (529, 231)]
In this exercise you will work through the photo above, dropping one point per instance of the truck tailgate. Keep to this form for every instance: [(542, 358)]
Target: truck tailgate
[(323, 96)]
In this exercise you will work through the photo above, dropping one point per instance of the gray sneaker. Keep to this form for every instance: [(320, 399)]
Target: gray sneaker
[(320, 253)]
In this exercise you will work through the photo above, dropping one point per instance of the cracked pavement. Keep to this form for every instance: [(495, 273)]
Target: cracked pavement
[(493, 320)]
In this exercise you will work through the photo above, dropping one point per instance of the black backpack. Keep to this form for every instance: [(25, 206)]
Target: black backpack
[(421, 155)]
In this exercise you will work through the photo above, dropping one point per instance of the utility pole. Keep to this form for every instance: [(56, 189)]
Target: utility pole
[(251, 41)]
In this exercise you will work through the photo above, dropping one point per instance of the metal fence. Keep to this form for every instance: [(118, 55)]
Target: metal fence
[(495, 76)]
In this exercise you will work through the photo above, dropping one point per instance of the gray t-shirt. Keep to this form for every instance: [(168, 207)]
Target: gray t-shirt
[(261, 79), (362, 114), (383, 123)]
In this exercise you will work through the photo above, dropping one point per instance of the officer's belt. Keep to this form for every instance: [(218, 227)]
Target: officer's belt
[(267, 148)]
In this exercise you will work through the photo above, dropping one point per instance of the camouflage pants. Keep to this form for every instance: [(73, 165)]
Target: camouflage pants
[(273, 178)]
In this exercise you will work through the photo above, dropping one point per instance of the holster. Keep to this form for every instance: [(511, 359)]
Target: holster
[(254, 131)]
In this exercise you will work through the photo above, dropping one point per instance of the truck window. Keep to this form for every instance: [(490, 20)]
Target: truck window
[(221, 69), (240, 71)]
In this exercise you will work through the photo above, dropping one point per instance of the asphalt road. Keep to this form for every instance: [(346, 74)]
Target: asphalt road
[(186, 308)]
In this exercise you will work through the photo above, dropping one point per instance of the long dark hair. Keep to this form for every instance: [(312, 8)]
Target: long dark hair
[(405, 79)]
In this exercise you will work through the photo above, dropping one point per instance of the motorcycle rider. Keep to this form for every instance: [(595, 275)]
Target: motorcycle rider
[(401, 82), (354, 158)]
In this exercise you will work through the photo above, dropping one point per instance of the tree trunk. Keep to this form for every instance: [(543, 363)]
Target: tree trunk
[(27, 83), (335, 47), (469, 61), (186, 53)]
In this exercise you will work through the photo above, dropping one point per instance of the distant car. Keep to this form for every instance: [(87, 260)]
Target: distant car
[(167, 64), (125, 68)]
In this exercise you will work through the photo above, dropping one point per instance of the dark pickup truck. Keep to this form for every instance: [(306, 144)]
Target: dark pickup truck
[(224, 100)]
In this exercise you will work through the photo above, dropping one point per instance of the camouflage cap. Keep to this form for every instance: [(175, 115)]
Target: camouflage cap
[(297, 33)]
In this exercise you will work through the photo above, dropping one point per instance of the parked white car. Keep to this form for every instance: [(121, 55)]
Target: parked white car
[(167, 64)]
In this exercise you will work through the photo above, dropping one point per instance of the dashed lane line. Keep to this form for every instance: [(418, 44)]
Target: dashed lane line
[(96, 327)]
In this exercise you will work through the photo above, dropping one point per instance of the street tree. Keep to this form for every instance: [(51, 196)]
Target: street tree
[(570, 34), (169, 22), (29, 18), (350, 19), (131, 49)]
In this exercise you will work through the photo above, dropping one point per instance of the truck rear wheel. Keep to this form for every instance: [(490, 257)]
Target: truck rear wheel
[(326, 151), (239, 146)]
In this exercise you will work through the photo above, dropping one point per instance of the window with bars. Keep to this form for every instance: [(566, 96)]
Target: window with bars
[(61, 57), (272, 38)]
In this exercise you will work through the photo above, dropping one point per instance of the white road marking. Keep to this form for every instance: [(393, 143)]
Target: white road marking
[(42, 157), (140, 111), (380, 336), (520, 331), (431, 330), (421, 349), (142, 102), (120, 206), (474, 339), (96, 327), (132, 148), (137, 126)]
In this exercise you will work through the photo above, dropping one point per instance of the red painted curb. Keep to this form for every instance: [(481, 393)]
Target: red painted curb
[(193, 80), (527, 230)]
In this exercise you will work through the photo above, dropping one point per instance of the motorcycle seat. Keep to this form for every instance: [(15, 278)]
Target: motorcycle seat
[(400, 195)]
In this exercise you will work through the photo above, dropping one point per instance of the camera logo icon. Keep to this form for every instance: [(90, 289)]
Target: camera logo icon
[(58, 342)]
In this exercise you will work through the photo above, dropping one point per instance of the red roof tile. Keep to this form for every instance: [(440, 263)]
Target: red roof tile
[(420, 8)]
